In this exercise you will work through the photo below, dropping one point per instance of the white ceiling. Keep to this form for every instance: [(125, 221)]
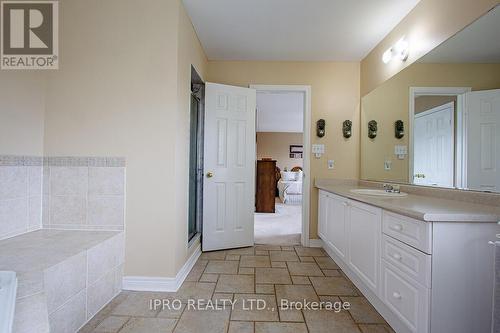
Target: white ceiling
[(300, 30), (280, 111), (478, 43)]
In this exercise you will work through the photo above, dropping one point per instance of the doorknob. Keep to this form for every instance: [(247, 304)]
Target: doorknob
[(210, 174)]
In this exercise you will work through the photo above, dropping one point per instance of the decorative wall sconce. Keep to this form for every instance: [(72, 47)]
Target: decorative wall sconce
[(400, 50), (320, 128), (399, 129), (347, 129), (372, 129)]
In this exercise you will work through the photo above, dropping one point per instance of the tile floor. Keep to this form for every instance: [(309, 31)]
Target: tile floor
[(266, 272)]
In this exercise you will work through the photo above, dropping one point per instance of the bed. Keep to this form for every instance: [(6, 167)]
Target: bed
[(290, 188)]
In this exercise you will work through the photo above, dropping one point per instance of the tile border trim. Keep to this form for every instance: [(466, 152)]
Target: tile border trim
[(63, 161)]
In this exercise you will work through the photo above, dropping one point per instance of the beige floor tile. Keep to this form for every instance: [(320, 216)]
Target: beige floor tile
[(280, 328), (235, 284), (241, 327), (309, 251), (325, 321), (197, 271), (233, 257), (295, 293), (291, 315), (241, 251), (206, 321), (287, 248), (208, 277), (362, 311), (307, 259), (261, 253), (264, 289), (255, 261), (138, 304), (111, 324), (150, 325), (366, 328), (283, 256), (304, 268), (272, 276), (222, 267), (268, 247), (195, 290), (326, 263), (331, 272), (244, 311), (222, 297), (246, 270), (337, 286), (172, 311), (278, 264), (300, 280), (214, 255)]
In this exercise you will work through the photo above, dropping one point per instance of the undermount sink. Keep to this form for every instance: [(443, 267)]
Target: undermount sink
[(378, 193)]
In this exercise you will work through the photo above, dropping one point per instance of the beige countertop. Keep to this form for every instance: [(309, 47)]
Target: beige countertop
[(421, 207)]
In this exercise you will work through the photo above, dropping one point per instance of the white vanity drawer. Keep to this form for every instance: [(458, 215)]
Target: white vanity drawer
[(410, 231), (409, 300), (411, 261)]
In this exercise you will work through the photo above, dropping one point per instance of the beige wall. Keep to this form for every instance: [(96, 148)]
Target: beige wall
[(335, 98), (122, 90), (277, 146), (390, 102), (429, 24), (22, 108), (189, 53)]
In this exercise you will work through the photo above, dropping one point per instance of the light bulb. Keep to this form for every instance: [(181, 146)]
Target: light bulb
[(401, 49), (387, 56)]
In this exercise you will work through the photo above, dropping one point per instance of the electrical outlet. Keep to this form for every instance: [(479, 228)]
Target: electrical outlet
[(387, 165), (331, 164)]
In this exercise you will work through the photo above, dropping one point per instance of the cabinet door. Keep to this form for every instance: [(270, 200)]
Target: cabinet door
[(336, 224), (322, 214), (365, 223)]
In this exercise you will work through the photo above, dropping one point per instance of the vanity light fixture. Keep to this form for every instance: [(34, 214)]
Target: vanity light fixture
[(399, 50), (372, 129), (347, 129)]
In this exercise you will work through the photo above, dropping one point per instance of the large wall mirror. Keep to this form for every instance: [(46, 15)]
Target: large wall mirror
[(449, 105)]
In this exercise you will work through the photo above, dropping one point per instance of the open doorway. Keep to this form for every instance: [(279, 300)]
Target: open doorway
[(281, 194)]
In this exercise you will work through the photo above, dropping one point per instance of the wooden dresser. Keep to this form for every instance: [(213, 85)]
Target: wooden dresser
[(266, 186)]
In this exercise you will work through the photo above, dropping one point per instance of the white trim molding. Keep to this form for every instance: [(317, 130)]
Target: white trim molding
[(306, 184), (316, 242), (164, 284)]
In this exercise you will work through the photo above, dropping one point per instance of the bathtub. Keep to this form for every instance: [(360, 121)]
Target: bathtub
[(8, 290)]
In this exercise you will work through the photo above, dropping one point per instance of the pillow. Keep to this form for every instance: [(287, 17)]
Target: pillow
[(289, 176)]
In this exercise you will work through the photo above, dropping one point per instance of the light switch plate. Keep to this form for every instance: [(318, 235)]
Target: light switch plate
[(331, 164), (318, 149), (387, 165)]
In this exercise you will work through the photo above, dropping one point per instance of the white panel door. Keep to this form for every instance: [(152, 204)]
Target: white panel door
[(434, 146), (365, 229), (336, 224), (483, 140), (229, 167)]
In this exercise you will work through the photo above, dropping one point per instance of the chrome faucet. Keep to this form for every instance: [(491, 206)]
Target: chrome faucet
[(391, 188)]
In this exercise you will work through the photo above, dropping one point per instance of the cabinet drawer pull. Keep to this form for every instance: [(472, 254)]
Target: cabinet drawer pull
[(397, 256), (396, 295), (397, 227)]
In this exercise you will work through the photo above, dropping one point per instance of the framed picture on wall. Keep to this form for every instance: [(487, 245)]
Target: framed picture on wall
[(296, 151)]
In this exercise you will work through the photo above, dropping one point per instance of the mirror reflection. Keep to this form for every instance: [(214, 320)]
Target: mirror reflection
[(439, 119)]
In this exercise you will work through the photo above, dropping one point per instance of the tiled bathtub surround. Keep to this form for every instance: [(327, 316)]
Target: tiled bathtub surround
[(20, 194), (85, 193), (64, 277)]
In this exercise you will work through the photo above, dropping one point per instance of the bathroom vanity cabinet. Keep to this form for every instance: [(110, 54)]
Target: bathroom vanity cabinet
[(422, 276)]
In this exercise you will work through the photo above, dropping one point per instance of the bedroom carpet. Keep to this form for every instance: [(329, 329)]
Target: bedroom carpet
[(280, 228)]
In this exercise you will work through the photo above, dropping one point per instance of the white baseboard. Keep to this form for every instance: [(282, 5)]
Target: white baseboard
[(147, 283), (315, 242)]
